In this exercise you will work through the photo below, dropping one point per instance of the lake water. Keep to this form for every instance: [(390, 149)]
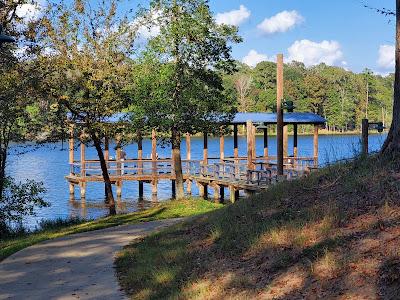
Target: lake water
[(50, 164)]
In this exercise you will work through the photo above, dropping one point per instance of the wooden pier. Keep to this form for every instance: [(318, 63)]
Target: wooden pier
[(251, 173)]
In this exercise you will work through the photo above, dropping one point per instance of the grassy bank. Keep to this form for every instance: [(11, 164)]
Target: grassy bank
[(335, 234), (51, 230)]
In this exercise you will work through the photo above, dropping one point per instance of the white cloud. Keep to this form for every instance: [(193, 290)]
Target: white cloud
[(253, 58), (234, 17), (30, 12), (386, 57), (281, 22), (313, 53), (148, 28)]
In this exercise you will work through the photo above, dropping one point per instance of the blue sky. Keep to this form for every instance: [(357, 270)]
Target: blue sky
[(355, 37), (339, 32)]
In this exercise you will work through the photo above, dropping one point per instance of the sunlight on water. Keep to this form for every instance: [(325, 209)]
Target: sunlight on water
[(50, 164)]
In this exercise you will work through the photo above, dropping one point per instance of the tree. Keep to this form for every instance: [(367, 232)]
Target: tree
[(243, 83), (86, 70), (180, 73), (392, 142), (17, 93)]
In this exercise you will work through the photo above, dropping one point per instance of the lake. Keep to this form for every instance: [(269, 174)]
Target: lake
[(50, 164)]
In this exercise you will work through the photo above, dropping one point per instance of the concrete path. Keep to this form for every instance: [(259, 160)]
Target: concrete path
[(79, 266)]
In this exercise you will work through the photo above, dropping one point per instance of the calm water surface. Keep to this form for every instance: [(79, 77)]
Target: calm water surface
[(50, 164)]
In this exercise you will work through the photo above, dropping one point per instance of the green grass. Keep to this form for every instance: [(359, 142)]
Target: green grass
[(51, 230), (296, 234)]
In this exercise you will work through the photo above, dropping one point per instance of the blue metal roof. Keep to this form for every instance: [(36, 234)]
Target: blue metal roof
[(270, 118)]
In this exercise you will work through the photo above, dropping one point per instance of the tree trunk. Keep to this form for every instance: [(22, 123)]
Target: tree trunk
[(177, 161), (107, 182), (392, 143)]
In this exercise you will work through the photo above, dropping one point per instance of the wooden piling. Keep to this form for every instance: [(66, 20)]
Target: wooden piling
[(216, 193), (232, 194), (222, 194), (173, 188), (141, 189), (188, 186), (364, 134), (201, 190), (119, 188), (71, 188), (279, 112), (82, 186)]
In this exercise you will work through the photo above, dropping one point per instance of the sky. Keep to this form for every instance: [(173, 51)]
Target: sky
[(340, 32)]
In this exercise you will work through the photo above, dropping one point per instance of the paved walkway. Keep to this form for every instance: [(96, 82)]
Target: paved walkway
[(79, 266)]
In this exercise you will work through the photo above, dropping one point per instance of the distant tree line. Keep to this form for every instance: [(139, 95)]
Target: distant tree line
[(339, 95)]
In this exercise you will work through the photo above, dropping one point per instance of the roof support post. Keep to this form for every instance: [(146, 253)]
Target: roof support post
[(205, 149), (249, 131), (285, 141), (279, 112), (140, 157), (83, 159), (71, 144), (222, 147), (316, 145), (235, 141), (295, 150), (265, 143)]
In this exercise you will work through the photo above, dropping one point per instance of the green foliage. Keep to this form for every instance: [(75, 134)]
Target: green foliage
[(178, 83), (19, 200), (335, 93)]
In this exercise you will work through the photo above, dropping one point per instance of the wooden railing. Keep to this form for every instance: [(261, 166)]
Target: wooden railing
[(133, 167)]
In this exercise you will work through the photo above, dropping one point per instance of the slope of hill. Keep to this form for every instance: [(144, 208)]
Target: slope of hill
[(335, 234)]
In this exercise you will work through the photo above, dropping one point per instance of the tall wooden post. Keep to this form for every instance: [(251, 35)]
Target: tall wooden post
[(222, 147), (315, 145), (279, 112), (295, 150), (265, 143), (205, 149), (250, 152), (235, 141), (364, 133)]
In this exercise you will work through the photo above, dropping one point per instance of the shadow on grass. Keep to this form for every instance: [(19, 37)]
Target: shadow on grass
[(326, 235)]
